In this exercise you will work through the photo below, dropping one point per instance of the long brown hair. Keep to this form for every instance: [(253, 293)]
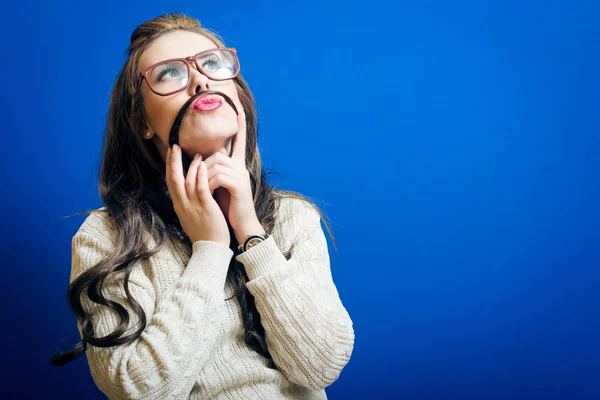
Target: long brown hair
[(130, 178)]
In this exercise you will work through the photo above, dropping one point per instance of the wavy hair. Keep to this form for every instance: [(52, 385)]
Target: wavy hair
[(130, 185)]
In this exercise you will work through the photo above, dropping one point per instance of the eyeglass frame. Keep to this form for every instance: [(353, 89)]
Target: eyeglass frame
[(186, 60)]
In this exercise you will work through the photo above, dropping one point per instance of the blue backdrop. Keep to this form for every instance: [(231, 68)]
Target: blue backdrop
[(453, 145)]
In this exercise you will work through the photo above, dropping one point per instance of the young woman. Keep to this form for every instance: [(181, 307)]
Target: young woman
[(197, 279)]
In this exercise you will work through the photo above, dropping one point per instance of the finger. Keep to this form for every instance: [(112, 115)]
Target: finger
[(239, 144), (191, 179), (219, 158), (222, 170), (212, 171), (175, 176), (168, 169), (203, 192), (222, 180)]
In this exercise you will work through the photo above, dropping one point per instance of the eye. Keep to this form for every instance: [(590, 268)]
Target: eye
[(212, 61), (172, 71)]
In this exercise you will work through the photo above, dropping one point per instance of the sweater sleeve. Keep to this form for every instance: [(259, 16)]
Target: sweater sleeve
[(181, 323), (308, 331)]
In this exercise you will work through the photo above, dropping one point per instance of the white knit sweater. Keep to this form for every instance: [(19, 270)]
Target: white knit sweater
[(193, 344)]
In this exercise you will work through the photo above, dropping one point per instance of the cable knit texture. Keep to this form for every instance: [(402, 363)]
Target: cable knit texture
[(193, 345)]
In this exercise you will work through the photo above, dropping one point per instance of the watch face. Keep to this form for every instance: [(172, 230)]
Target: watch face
[(254, 242)]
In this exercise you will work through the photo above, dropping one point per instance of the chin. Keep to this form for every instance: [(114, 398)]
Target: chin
[(216, 129)]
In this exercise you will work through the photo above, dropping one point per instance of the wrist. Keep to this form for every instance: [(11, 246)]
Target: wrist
[(250, 237), (251, 229)]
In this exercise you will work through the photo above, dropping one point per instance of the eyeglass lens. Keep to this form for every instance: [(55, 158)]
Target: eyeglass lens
[(173, 75)]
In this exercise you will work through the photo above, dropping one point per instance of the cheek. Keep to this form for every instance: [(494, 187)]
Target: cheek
[(231, 91), (161, 114), (235, 96)]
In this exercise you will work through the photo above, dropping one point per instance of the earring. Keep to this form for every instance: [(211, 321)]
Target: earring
[(148, 134)]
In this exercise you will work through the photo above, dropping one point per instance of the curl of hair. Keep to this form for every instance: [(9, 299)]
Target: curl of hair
[(130, 182)]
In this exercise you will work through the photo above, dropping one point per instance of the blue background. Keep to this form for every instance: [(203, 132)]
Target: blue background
[(453, 145)]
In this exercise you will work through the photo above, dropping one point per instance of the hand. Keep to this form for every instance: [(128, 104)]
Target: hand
[(198, 212), (229, 180)]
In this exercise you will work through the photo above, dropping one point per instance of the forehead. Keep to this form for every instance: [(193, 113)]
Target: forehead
[(176, 44)]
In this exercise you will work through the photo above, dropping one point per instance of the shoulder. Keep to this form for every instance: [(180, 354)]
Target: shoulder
[(295, 214), (97, 219), (92, 242), (97, 224), (290, 205)]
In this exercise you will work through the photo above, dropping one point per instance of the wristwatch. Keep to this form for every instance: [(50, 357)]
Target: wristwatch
[(252, 240)]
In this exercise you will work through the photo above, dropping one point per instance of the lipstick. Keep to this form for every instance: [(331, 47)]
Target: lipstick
[(207, 103)]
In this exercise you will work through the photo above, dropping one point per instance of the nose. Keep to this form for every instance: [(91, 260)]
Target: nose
[(198, 81)]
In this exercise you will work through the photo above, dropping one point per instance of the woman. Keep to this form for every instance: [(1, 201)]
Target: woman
[(197, 279)]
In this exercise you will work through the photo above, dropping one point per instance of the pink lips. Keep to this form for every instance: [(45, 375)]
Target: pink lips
[(207, 103)]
